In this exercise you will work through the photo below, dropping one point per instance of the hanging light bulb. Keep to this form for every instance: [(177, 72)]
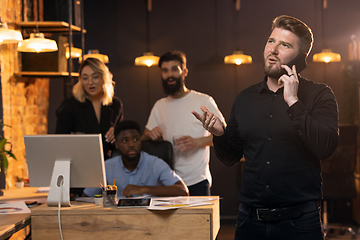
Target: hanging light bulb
[(327, 55), (37, 43), (94, 53), (75, 52), (238, 58), (8, 35), (148, 59)]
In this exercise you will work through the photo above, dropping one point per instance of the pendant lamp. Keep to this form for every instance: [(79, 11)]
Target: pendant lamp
[(148, 59), (37, 43), (8, 35), (326, 54), (94, 53), (75, 52), (238, 57)]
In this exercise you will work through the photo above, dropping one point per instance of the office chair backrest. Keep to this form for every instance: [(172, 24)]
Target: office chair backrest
[(338, 170), (161, 149)]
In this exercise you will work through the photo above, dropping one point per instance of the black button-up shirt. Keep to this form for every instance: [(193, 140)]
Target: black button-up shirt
[(282, 145)]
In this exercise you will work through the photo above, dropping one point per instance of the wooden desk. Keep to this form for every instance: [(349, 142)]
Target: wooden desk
[(87, 221), (23, 194), (11, 223)]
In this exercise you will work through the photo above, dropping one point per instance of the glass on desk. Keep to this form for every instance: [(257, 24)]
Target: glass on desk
[(109, 198)]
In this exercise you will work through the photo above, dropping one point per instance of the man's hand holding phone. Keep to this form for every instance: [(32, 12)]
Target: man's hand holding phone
[(291, 83), (289, 79)]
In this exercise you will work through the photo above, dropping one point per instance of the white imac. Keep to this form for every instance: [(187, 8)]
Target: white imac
[(62, 161)]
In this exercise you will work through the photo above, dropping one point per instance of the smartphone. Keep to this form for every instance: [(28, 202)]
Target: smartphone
[(299, 62)]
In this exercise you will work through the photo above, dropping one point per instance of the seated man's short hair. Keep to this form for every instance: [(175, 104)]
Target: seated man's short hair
[(125, 125)]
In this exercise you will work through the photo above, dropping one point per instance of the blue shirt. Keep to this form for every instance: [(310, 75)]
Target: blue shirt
[(150, 171)]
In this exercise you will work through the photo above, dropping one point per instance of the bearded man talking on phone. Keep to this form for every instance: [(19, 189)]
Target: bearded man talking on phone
[(283, 127)]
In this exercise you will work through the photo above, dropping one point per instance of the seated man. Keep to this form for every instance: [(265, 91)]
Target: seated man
[(136, 172)]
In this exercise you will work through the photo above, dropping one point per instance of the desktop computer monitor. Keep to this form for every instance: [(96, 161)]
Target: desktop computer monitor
[(62, 161)]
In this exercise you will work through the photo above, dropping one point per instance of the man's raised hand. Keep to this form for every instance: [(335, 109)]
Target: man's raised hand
[(209, 121)]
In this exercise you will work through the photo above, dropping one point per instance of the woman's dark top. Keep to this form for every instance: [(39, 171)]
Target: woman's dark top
[(76, 117)]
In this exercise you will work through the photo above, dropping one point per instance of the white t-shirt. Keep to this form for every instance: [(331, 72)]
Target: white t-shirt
[(173, 116)]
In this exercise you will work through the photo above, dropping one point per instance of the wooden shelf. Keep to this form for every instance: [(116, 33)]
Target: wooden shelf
[(46, 74), (50, 26)]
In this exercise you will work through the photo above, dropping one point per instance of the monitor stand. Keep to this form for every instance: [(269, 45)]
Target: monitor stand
[(60, 184)]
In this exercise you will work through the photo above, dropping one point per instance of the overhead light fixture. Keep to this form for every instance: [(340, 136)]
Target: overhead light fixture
[(326, 54), (148, 59), (8, 35), (238, 58), (94, 53), (75, 52), (37, 43)]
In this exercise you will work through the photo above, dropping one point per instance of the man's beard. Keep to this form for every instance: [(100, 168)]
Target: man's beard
[(271, 71), (171, 89)]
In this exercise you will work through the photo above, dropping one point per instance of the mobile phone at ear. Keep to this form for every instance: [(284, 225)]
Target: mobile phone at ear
[(299, 61)]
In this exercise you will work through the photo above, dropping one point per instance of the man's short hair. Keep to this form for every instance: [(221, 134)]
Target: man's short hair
[(125, 125), (297, 27), (173, 55)]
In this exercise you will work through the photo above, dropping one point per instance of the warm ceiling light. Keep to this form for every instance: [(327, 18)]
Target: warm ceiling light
[(327, 56), (238, 58), (37, 43), (148, 59), (94, 53), (8, 35), (75, 52)]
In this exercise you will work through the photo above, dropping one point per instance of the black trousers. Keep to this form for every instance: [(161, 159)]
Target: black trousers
[(307, 226), (200, 189)]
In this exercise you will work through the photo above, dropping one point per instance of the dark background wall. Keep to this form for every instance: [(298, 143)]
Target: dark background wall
[(207, 31)]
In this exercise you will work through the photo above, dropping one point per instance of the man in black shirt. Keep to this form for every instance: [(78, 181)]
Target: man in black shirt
[(283, 126)]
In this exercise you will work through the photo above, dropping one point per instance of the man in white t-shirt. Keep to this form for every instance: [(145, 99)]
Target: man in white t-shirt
[(171, 119)]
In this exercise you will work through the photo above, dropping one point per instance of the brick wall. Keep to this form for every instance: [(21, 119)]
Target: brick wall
[(25, 100)]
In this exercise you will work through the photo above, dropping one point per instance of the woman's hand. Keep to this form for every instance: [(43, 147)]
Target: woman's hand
[(109, 136)]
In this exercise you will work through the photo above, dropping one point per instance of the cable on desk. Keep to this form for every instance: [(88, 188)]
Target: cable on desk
[(59, 206)]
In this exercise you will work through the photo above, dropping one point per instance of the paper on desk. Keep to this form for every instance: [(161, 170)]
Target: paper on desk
[(14, 207), (178, 202), (43, 189), (85, 199)]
